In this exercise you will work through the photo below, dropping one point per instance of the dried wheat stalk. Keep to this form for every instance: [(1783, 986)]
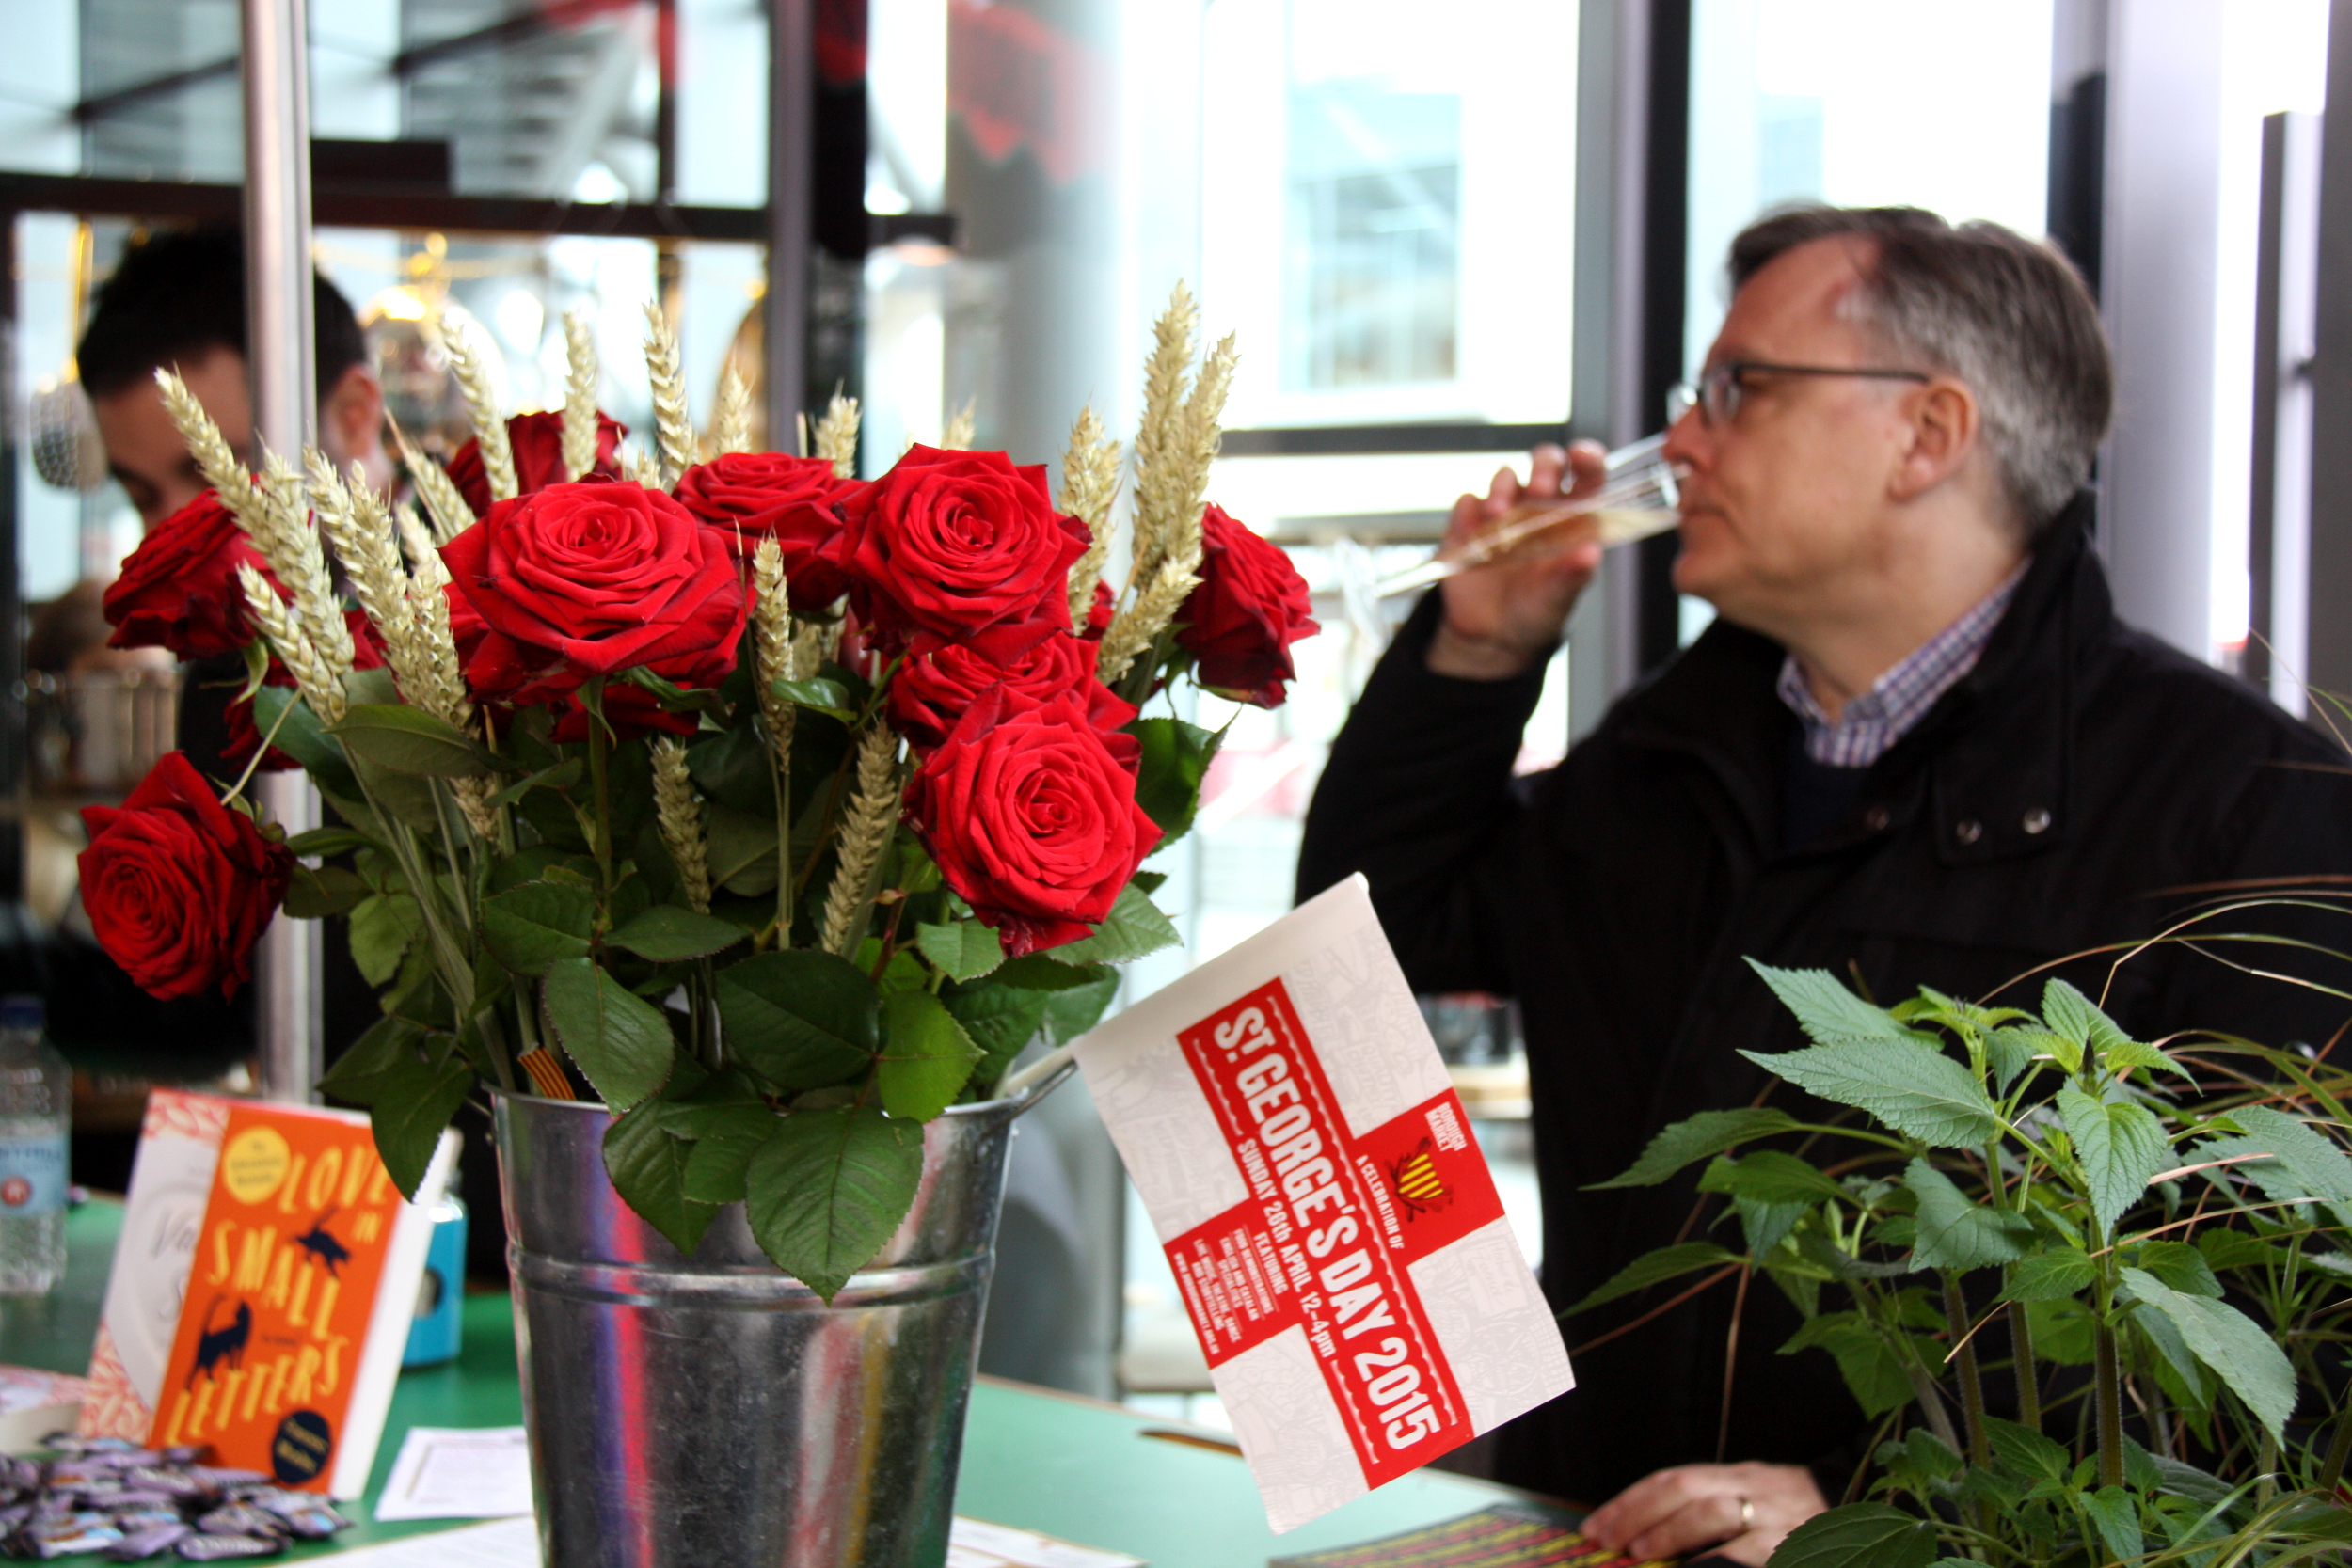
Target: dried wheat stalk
[(469, 362), (680, 813), (730, 418), (580, 396), (960, 425), (837, 436), (871, 817), (673, 430), (1089, 488)]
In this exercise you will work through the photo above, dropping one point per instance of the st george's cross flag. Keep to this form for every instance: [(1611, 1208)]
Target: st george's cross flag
[(1330, 1220)]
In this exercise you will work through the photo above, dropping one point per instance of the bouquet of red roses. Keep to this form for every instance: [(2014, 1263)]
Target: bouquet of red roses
[(777, 810)]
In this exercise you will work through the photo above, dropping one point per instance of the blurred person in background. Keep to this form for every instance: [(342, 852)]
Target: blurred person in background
[(1915, 748)]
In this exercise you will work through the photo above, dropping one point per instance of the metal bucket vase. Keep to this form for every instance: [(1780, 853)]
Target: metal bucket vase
[(711, 1412)]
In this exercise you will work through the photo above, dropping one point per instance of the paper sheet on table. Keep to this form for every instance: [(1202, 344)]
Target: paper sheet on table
[(458, 1473), (1330, 1221), (978, 1543), (507, 1544)]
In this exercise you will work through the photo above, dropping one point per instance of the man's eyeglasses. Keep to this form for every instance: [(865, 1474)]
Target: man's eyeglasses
[(1724, 387)]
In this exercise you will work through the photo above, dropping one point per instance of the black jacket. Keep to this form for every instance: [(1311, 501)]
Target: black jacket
[(2064, 795)]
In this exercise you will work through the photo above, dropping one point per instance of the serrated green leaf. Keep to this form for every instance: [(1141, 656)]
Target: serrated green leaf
[(409, 741), (1765, 1225), (376, 1063), (2120, 1146), (1175, 758), (559, 777), (315, 893), (1828, 1012), (538, 923), (2233, 1344), (2067, 1054), (742, 850), (2127, 1053), (1914, 1089), (1695, 1138), (2051, 1276), (2181, 1266), (2315, 1160), (1955, 1233), (962, 949), (828, 697), (2023, 1449), (1652, 1267), (1872, 1372), (620, 1040), (828, 1188), (926, 1055), (721, 1140), (648, 1169), (382, 926), (412, 1110), (1072, 1012), (1859, 1535), (667, 934), (1769, 1176), (1134, 927), (2010, 1052), (799, 1019)]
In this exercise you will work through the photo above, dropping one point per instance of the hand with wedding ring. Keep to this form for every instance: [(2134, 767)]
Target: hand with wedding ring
[(1740, 1512)]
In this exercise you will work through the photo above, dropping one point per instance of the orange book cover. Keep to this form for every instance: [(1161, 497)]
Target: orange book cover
[(284, 1312)]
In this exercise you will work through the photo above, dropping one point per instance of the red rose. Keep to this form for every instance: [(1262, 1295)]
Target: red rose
[(751, 495), (1100, 614), (1031, 812), (940, 681), (179, 590), (178, 887), (592, 579), (245, 737), (537, 440), (953, 542), (1251, 607)]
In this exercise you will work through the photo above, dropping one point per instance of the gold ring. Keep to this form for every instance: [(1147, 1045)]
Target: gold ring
[(1747, 1514)]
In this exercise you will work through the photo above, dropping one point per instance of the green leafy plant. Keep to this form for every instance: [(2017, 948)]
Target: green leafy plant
[(2151, 1237)]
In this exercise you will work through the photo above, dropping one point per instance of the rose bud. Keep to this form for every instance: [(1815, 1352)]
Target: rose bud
[(1251, 607), (178, 887), (1031, 812), (179, 590), (953, 542), (537, 440)]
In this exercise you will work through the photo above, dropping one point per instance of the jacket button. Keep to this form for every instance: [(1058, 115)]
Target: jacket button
[(2036, 821), (1875, 819), (1968, 830)]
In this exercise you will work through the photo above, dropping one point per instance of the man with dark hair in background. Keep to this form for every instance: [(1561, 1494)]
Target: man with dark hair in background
[(1915, 748)]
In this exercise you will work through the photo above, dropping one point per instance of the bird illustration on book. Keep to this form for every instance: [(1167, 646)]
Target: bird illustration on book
[(1416, 1181), (320, 1244), (226, 1343)]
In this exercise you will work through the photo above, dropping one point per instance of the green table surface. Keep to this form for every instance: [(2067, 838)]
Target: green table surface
[(1077, 1468)]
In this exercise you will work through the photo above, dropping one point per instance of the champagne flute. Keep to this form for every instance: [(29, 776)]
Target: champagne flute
[(1639, 496)]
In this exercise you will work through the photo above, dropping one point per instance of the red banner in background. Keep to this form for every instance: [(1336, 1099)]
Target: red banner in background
[(1323, 1241)]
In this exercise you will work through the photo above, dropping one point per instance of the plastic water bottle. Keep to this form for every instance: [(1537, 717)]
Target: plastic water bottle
[(36, 1106)]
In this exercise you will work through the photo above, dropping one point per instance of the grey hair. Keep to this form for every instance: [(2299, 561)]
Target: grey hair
[(2008, 316)]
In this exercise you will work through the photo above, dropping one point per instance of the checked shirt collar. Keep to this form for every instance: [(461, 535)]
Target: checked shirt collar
[(1872, 723)]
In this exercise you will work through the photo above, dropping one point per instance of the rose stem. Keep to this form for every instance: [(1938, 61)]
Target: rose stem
[(599, 744)]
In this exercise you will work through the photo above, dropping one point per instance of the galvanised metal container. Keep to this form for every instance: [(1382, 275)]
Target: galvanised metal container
[(710, 1412)]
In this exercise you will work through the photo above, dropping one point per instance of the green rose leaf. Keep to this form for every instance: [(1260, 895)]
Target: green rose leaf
[(742, 850), (329, 841), (962, 949), (2226, 1339), (721, 1138), (1652, 1267), (648, 1169), (667, 934), (1176, 756), (828, 1188), (1915, 1090), (277, 710), (2120, 1145), (1695, 1138), (413, 1105), (926, 1055), (409, 741), (799, 1019), (538, 923), (316, 893), (1859, 1535), (377, 1063), (383, 925), (562, 776), (1955, 1233), (620, 1040), (1134, 927), (828, 697)]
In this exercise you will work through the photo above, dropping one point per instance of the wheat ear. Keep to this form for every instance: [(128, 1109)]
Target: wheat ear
[(961, 426), (416, 539), (580, 396), (443, 503), (221, 467), (681, 817), (772, 652), (837, 436), (812, 644), (292, 546), (1089, 487), (644, 468), (871, 817), (730, 417), (1161, 436), (468, 363), (313, 679), (356, 525), (673, 429)]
